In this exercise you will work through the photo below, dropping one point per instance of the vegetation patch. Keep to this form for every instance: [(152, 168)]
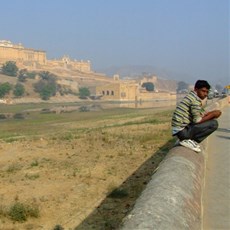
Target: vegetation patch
[(66, 163), (21, 212)]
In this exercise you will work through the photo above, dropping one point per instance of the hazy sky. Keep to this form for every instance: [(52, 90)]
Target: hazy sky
[(189, 37)]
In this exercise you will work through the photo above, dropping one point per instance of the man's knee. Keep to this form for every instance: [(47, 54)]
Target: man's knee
[(214, 124)]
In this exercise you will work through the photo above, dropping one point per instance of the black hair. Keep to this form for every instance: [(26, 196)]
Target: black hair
[(202, 84)]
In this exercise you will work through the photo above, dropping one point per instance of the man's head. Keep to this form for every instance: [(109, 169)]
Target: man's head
[(202, 88)]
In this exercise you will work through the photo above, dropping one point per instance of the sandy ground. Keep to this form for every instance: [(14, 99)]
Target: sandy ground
[(69, 179)]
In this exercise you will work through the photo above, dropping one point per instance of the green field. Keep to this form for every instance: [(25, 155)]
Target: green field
[(36, 121)]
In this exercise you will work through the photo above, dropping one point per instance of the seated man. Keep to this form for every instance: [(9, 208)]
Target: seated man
[(190, 123)]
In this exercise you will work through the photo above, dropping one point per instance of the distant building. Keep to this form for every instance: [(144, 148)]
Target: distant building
[(131, 91), (36, 59), (66, 63), (20, 54), (121, 91)]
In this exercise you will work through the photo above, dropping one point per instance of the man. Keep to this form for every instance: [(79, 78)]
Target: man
[(190, 123)]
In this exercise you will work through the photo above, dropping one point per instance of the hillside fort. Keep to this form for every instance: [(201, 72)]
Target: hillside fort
[(74, 74), (36, 59)]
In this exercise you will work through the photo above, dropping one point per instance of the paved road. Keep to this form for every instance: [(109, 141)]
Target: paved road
[(217, 186)]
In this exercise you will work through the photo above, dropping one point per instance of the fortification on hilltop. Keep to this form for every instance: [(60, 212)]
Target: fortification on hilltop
[(74, 74), (36, 59)]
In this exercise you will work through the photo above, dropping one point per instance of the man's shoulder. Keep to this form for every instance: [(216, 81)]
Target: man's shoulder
[(189, 97), (192, 96)]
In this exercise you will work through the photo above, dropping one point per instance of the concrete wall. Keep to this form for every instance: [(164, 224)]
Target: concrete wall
[(156, 96), (173, 198)]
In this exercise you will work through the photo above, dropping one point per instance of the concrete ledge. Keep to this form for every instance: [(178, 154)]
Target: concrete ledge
[(172, 199)]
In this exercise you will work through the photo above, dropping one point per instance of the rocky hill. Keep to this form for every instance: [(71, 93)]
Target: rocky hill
[(166, 85), (72, 80)]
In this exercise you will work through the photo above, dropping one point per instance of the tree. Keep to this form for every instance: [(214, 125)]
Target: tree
[(46, 87), (149, 86), (31, 75), (22, 75), (219, 87), (182, 86), (47, 91), (45, 75), (84, 92), (10, 68), (19, 90), (4, 89)]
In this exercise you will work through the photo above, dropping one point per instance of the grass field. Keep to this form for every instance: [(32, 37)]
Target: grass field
[(77, 170), (37, 123)]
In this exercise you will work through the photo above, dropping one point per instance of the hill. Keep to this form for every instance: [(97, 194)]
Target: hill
[(135, 71), (71, 81)]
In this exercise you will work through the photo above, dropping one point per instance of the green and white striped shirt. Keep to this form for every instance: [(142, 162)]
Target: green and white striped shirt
[(188, 111)]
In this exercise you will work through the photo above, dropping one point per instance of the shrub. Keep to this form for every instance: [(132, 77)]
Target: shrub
[(19, 90), (20, 212), (3, 116), (22, 75), (18, 116), (84, 109), (31, 75), (10, 68), (47, 86), (84, 92), (4, 89)]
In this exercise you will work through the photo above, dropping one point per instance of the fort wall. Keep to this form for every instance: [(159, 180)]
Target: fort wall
[(36, 59)]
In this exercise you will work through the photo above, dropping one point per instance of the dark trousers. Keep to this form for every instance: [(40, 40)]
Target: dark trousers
[(198, 132)]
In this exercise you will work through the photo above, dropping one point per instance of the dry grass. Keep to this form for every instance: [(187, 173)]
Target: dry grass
[(83, 170)]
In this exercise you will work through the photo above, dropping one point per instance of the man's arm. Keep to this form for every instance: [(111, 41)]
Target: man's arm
[(210, 115)]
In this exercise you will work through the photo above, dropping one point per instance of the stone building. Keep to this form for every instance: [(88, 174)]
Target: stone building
[(36, 59), (66, 63), (20, 54), (131, 91), (121, 91)]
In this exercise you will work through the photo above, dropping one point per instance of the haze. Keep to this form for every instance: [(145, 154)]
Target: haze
[(185, 39)]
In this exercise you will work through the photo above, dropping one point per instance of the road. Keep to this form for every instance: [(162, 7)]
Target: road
[(216, 198)]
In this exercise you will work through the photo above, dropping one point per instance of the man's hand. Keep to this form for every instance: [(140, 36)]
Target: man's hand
[(214, 113), (210, 115)]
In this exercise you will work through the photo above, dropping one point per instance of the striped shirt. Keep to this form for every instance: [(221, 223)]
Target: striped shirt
[(188, 111)]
